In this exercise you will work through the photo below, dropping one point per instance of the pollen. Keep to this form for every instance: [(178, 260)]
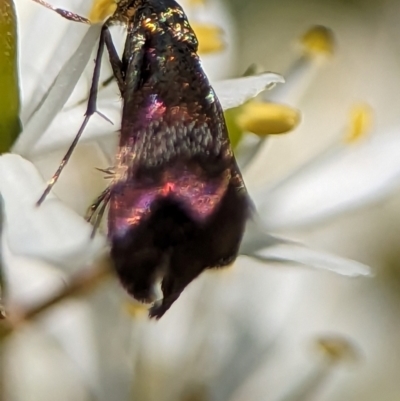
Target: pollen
[(336, 348), (360, 123), (135, 309), (263, 118), (318, 40), (101, 9), (209, 37)]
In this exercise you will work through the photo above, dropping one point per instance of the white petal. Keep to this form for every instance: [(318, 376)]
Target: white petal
[(298, 79), (47, 41), (30, 280), (58, 93), (356, 175), (115, 359), (247, 150), (298, 254), (38, 370), (80, 183), (258, 244), (71, 325), (51, 232), (234, 92), (255, 238), (65, 126)]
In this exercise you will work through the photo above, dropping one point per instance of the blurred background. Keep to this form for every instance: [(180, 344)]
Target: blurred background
[(255, 331)]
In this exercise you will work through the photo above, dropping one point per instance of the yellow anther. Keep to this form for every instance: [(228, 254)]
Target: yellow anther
[(209, 37), (318, 40), (267, 118), (101, 9), (360, 125), (336, 348), (135, 309)]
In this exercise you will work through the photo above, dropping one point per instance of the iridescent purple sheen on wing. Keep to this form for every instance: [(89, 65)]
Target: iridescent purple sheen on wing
[(197, 196)]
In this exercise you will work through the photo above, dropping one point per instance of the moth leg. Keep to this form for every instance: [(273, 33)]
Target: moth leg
[(160, 307), (100, 213), (107, 81), (64, 13), (182, 271), (95, 205), (116, 65), (110, 172), (115, 61), (91, 109), (103, 85)]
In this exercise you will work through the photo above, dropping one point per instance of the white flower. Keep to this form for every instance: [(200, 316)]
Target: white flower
[(54, 239), (347, 178), (339, 181)]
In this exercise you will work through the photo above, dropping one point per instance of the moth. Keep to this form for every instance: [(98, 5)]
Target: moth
[(177, 201)]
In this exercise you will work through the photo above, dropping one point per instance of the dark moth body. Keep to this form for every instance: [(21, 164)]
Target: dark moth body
[(178, 204)]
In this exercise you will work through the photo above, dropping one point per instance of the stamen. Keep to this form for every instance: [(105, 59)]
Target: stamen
[(276, 118), (360, 124), (102, 9), (209, 37), (335, 349), (318, 40), (267, 118), (135, 309), (316, 44)]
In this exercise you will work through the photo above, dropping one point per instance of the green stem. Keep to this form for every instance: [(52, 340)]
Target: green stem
[(10, 126)]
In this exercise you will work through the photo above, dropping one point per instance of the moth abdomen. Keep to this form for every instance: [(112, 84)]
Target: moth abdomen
[(175, 242)]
